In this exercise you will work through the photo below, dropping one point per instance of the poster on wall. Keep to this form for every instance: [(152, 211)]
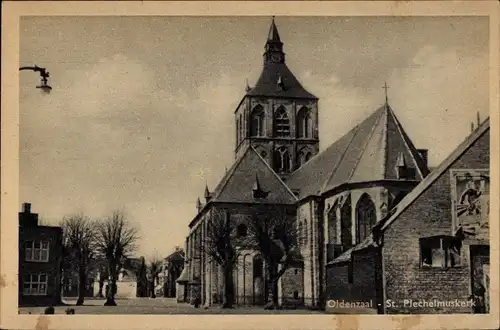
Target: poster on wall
[(470, 201)]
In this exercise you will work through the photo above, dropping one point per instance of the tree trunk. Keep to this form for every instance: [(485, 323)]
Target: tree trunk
[(152, 285), (101, 286), (228, 287), (272, 299), (82, 286), (110, 295)]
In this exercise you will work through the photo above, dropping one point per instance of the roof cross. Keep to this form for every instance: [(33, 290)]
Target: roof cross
[(385, 90)]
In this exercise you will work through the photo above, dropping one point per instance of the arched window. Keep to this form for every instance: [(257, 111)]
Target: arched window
[(281, 123), (307, 157), (241, 127), (304, 123), (282, 161), (346, 223), (305, 233), (300, 233), (242, 230), (237, 131), (257, 126), (332, 224), (366, 217)]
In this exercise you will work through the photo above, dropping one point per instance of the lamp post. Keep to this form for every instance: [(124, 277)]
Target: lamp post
[(44, 75)]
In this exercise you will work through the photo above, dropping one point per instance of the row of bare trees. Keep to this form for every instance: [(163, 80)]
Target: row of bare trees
[(271, 230), (97, 245)]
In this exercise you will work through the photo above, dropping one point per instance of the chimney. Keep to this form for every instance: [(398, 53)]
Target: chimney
[(27, 207), (424, 155)]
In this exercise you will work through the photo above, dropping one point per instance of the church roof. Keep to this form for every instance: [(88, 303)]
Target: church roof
[(416, 192), (267, 84), (238, 183), (276, 79), (431, 178), (368, 152)]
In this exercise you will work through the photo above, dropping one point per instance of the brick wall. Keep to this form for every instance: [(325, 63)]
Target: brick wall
[(52, 268), (429, 215)]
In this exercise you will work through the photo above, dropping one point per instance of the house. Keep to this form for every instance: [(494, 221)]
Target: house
[(172, 267), (40, 257), (430, 254)]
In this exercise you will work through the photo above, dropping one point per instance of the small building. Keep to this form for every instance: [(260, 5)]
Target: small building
[(431, 253), (172, 267), (40, 254)]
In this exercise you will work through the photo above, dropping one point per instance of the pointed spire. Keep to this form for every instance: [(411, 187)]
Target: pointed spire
[(273, 35), (471, 126), (198, 204), (247, 87), (478, 119), (207, 193)]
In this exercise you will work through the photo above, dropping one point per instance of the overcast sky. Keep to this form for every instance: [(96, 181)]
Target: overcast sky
[(141, 113)]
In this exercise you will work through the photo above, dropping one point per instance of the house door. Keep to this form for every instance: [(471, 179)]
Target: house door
[(480, 277)]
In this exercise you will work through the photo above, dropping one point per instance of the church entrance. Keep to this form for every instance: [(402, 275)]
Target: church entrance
[(258, 281), (480, 277)]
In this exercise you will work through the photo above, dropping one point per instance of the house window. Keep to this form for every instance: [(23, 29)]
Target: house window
[(439, 252), (295, 294), (37, 251), (35, 284), (296, 271), (257, 128), (281, 123), (242, 230)]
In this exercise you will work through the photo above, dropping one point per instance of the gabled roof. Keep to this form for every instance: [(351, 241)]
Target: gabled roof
[(237, 185), (368, 152), (431, 178), (267, 84)]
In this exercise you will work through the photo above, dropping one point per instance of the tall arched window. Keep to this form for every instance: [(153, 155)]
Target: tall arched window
[(282, 161), (366, 217), (346, 223), (241, 127), (257, 128), (281, 123), (332, 224), (237, 130), (304, 123), (300, 233)]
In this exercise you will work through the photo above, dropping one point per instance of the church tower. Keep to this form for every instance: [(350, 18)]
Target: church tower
[(277, 116)]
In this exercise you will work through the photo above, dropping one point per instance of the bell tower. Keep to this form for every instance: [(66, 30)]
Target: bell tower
[(277, 116)]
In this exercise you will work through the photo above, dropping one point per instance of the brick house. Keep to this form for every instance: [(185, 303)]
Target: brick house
[(431, 252), (40, 252)]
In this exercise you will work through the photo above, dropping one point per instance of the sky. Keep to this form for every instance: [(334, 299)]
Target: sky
[(140, 117)]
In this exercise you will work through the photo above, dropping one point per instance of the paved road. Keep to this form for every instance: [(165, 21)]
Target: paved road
[(153, 306)]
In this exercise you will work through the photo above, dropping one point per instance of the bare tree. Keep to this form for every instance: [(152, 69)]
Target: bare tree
[(116, 239), (79, 240), (154, 270), (219, 246), (273, 232)]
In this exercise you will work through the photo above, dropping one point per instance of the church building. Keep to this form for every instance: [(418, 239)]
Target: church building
[(335, 196)]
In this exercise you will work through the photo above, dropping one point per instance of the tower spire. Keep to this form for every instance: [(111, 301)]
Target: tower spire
[(274, 46), (273, 34)]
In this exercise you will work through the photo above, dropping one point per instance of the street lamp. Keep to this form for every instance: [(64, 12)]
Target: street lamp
[(44, 74)]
